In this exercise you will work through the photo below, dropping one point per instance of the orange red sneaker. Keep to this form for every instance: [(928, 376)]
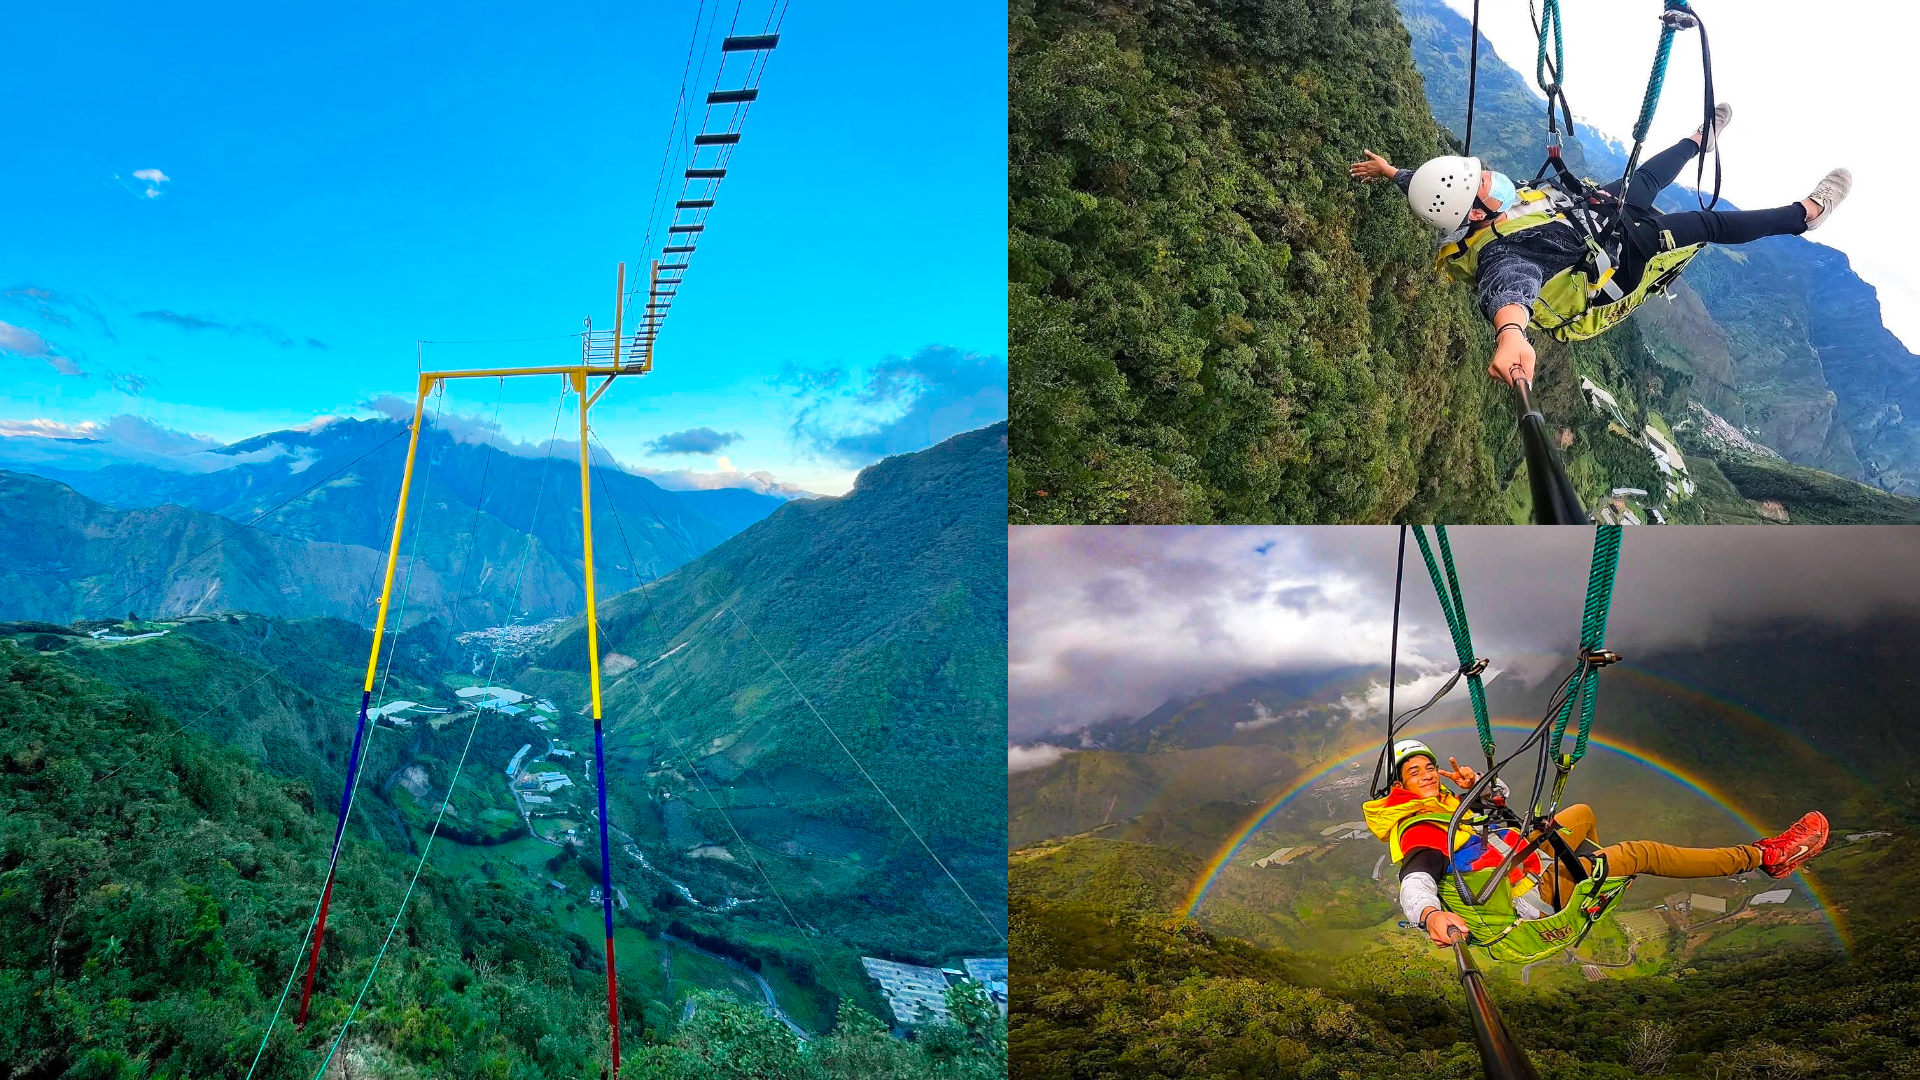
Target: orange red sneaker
[(1782, 855)]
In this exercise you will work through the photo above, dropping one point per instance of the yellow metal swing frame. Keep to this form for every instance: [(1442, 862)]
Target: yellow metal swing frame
[(592, 348)]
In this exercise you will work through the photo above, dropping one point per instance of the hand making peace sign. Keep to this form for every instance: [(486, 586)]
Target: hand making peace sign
[(1463, 776)]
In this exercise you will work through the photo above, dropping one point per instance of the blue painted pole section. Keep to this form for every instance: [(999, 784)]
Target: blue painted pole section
[(333, 861), (606, 861), (353, 766), (606, 889)]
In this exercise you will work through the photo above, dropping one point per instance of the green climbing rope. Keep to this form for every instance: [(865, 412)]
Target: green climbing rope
[(1550, 21), (1454, 606), (1671, 19), (1593, 633)]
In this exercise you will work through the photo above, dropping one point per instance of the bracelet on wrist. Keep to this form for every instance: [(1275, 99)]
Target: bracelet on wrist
[(1504, 327)]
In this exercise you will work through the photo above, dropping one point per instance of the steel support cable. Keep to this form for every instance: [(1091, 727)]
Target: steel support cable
[(262, 516), (777, 666), (406, 898), (756, 69), (673, 125), (1473, 76), (654, 707), (680, 126), (1381, 767), (359, 737)]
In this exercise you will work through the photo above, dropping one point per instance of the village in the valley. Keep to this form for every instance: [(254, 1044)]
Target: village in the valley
[(546, 780)]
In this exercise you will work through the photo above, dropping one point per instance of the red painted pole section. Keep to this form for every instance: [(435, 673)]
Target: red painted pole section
[(613, 1009), (306, 992)]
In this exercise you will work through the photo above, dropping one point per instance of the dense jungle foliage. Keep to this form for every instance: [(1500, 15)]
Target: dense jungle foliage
[(1101, 992), (155, 886)]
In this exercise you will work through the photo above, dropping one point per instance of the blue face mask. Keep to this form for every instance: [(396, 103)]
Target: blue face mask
[(1502, 193)]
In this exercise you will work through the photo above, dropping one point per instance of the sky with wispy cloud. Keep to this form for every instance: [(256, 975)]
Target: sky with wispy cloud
[(1109, 622), (214, 239)]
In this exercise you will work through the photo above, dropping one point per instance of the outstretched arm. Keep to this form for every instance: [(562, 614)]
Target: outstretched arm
[(1420, 875), (1512, 352)]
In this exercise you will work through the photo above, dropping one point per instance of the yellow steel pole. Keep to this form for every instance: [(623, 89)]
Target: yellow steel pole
[(586, 543), (653, 283), (599, 743), (619, 312), (399, 519)]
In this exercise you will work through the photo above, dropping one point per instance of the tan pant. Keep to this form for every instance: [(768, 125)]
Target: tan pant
[(1641, 856)]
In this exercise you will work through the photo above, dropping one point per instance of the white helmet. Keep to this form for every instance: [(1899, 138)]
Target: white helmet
[(1410, 748), (1443, 190)]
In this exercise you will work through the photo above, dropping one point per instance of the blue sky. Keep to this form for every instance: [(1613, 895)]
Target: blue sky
[(342, 181)]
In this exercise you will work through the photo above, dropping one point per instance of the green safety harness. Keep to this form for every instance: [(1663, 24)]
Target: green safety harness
[(1484, 898), (1587, 298)]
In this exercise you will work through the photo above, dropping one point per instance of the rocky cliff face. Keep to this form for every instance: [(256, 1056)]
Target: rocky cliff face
[(1876, 381)]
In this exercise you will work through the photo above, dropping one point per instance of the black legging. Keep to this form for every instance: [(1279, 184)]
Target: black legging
[(1704, 226)]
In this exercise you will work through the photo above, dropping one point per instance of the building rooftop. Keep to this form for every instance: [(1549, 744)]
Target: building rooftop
[(917, 995), (510, 696)]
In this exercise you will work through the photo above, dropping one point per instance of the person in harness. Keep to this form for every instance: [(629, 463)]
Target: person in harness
[(1412, 819), (1538, 253)]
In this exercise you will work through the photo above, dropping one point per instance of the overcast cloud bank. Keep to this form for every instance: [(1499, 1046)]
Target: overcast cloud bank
[(1109, 622)]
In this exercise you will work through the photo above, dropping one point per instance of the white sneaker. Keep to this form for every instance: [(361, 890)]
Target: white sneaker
[(1722, 115), (1828, 194)]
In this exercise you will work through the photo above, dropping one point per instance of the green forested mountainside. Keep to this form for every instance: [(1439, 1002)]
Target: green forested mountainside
[(1140, 794), (887, 607), (286, 692), (1211, 322), (1105, 991), (489, 534), (64, 556), (155, 886), (733, 509)]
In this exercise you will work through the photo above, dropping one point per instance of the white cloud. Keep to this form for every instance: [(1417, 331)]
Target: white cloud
[(149, 185), (1410, 694), (48, 429), (1112, 621), (93, 444), (22, 342), (1039, 755), (1265, 717), (474, 429)]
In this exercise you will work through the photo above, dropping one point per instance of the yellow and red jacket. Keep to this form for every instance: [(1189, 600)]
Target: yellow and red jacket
[(1408, 822)]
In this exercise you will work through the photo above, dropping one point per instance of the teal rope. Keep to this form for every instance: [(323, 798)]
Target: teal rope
[(1453, 605), (1593, 633), (1658, 77), (1550, 18)]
